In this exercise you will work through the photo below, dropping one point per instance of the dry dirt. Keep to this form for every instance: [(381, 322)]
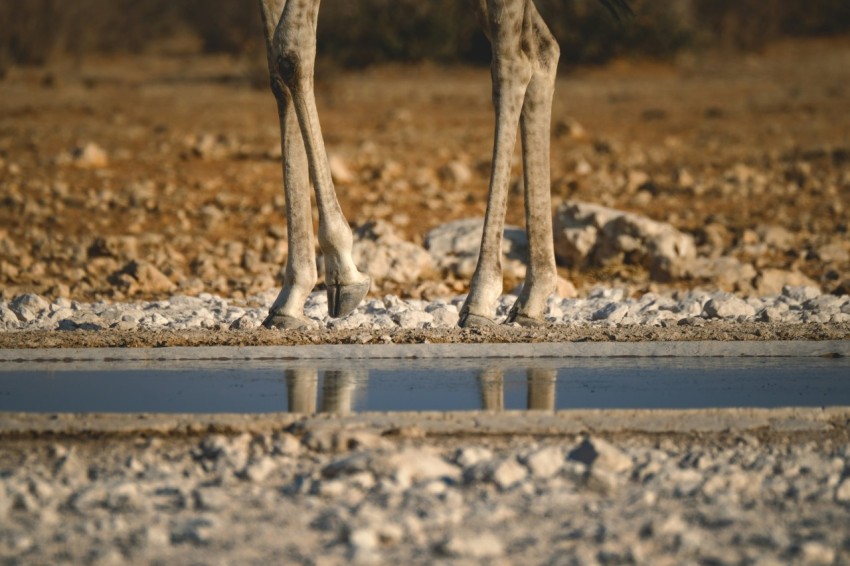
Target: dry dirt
[(716, 330), (750, 154)]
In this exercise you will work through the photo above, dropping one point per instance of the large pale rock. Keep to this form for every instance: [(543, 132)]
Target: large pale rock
[(141, 276), (455, 245), (27, 307), (593, 235), (726, 272), (771, 281), (406, 467), (387, 257)]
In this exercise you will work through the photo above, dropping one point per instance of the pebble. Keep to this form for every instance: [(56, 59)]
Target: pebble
[(728, 306), (483, 545), (546, 462), (385, 501), (599, 454)]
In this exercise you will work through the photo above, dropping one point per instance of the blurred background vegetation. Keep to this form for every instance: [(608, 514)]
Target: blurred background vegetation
[(356, 33)]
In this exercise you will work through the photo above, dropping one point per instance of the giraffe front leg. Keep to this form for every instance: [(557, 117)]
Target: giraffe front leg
[(511, 71), (287, 311), (294, 49), (541, 278)]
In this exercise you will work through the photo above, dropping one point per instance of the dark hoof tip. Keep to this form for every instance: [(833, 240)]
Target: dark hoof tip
[(526, 321), (469, 320), (343, 299), (287, 322)]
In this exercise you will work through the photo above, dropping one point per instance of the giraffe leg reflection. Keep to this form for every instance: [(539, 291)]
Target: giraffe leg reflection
[(339, 390), (541, 389), (491, 383), (301, 388)]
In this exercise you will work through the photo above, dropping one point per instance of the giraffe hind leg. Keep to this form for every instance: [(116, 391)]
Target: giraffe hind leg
[(535, 122)]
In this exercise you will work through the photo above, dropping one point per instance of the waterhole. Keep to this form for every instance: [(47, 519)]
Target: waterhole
[(342, 386)]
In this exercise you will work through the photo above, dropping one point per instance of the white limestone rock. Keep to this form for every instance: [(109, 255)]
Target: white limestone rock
[(588, 234)]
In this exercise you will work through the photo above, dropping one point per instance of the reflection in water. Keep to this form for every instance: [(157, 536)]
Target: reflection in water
[(340, 388), (541, 389)]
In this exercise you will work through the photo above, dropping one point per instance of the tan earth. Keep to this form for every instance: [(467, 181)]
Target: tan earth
[(130, 178)]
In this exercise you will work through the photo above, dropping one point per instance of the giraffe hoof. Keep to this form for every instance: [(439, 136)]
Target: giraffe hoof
[(287, 322), (525, 320), (469, 320), (342, 299)]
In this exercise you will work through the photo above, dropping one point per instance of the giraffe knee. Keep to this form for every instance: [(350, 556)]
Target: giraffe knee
[(290, 68)]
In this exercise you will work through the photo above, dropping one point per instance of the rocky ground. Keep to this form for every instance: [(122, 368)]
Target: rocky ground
[(141, 205), (140, 178), (310, 493)]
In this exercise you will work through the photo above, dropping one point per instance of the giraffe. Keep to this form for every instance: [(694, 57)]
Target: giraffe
[(524, 64)]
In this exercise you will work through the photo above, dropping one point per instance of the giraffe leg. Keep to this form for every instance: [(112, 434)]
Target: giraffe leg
[(511, 71), (287, 311), (293, 54), (540, 281)]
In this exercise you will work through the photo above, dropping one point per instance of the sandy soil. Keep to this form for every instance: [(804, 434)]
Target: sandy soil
[(751, 155)]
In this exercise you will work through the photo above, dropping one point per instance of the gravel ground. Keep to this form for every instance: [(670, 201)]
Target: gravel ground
[(311, 491), (607, 314), (152, 217)]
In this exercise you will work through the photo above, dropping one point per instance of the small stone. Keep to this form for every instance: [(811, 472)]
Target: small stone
[(545, 462), (481, 545), (728, 306), (363, 539), (125, 498), (286, 444), (340, 172), (414, 319), (444, 317), (816, 553), (508, 473), (90, 156), (800, 294), (595, 452), (245, 322), (259, 470), (612, 312), (456, 172), (330, 439), (415, 465), (603, 481), (196, 531), (842, 492), (472, 455)]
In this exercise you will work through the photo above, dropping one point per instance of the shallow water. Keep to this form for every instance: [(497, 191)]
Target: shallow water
[(424, 385)]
